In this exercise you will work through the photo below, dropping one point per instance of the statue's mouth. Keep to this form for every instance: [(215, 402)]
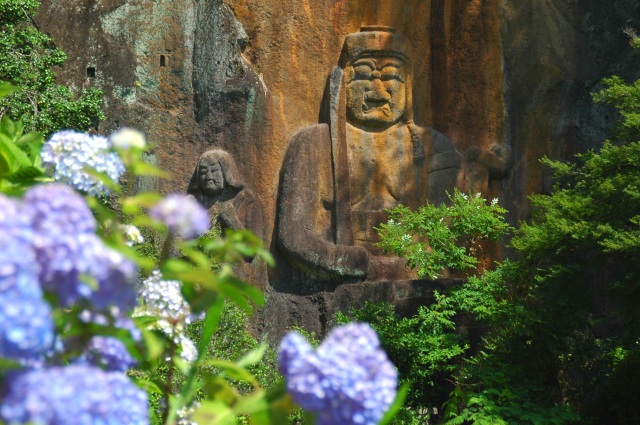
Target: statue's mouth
[(381, 105)]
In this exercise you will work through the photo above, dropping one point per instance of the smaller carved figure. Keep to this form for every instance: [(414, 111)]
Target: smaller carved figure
[(216, 185), (482, 167)]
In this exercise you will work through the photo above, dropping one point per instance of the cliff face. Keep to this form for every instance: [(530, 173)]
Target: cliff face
[(245, 75)]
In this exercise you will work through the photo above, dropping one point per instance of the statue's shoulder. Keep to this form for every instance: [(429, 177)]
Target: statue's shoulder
[(437, 142), (441, 152), (314, 138)]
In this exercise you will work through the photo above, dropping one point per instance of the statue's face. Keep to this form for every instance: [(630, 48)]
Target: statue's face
[(376, 94), (211, 177)]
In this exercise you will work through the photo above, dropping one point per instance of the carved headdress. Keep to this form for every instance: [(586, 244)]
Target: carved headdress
[(371, 41)]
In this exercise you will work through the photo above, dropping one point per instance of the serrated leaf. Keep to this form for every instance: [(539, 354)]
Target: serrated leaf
[(30, 138), (7, 127), (26, 175), (16, 154)]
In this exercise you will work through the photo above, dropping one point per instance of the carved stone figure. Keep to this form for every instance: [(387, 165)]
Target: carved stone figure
[(339, 177), (216, 185)]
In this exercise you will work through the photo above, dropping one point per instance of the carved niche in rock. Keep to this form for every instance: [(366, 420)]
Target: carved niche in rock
[(339, 178)]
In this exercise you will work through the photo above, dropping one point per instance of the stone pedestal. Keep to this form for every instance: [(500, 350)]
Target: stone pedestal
[(315, 313)]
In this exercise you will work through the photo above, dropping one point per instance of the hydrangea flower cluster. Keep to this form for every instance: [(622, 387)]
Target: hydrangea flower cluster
[(26, 328), (71, 153), (51, 246), (66, 248), (347, 380), (108, 353), (132, 233), (183, 215), (163, 299), (83, 395)]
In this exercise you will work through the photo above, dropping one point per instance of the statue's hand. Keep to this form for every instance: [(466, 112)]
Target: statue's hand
[(388, 268), (227, 215)]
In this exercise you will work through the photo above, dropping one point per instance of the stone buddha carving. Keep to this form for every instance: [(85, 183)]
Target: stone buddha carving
[(339, 177), (217, 186)]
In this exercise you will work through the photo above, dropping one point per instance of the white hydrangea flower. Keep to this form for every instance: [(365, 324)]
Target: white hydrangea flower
[(132, 233), (71, 153), (127, 138), (163, 299), (185, 413)]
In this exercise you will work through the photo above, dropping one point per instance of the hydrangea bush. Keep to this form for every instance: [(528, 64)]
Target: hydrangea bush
[(86, 319)]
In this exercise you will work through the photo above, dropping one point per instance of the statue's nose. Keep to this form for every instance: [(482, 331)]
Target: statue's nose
[(378, 91)]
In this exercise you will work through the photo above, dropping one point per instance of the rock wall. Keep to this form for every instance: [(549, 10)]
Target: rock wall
[(245, 75)]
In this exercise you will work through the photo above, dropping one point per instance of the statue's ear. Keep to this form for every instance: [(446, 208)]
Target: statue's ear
[(194, 183), (408, 86)]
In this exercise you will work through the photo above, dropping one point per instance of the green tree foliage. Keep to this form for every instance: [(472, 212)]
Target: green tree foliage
[(554, 334), (27, 59), (437, 237)]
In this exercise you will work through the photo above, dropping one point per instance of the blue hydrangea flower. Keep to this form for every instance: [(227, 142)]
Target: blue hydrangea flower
[(74, 395), (108, 353), (14, 219), (26, 329), (115, 274), (63, 229), (71, 153), (26, 325), (183, 215), (347, 380)]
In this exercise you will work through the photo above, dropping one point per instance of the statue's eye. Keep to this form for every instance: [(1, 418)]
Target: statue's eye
[(391, 73), (362, 72)]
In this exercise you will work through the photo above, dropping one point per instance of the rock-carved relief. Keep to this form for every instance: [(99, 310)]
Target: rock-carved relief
[(218, 187), (339, 177)]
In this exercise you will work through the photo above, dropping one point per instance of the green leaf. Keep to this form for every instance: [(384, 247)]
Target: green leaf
[(26, 175), (211, 321), (12, 151), (214, 413), (133, 204), (7, 88), (253, 357), (8, 128), (396, 405), (231, 369), (144, 169)]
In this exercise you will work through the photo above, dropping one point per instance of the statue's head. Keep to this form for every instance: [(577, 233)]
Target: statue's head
[(377, 68), (215, 172)]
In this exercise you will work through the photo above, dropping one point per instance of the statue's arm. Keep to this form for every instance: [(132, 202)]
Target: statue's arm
[(306, 173)]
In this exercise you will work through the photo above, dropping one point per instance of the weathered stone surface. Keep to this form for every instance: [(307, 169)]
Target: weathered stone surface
[(246, 75), (315, 312), (339, 178)]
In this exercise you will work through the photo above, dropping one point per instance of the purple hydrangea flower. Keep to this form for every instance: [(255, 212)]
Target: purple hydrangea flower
[(108, 353), (182, 214), (347, 380), (74, 395), (71, 153)]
